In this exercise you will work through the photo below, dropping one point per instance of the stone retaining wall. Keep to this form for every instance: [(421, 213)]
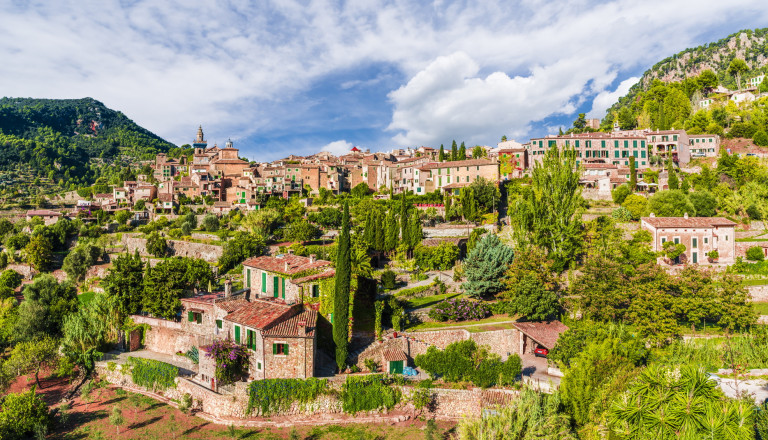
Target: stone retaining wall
[(449, 404), (208, 252), (758, 293)]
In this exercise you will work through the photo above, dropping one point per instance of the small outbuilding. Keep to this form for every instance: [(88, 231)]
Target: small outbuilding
[(393, 361), (539, 334)]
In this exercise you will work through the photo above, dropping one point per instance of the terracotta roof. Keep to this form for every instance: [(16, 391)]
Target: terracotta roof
[(599, 165), (230, 161), (394, 354), (102, 196), (301, 325), (458, 163), (456, 185), (205, 298), (230, 305), (295, 263), (545, 333), (259, 314), (690, 222), (44, 212), (318, 276), (165, 197)]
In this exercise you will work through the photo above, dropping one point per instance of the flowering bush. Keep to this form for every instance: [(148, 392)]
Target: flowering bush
[(459, 310), (231, 360)]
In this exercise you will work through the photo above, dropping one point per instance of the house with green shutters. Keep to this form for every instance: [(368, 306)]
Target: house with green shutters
[(290, 278)]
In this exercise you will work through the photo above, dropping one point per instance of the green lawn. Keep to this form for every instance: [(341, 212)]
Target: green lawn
[(762, 308), (427, 301), (491, 321), (85, 297)]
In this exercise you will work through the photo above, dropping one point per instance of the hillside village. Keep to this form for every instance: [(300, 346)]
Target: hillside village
[(563, 278)]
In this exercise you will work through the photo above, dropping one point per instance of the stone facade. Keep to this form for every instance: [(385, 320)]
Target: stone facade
[(700, 235)]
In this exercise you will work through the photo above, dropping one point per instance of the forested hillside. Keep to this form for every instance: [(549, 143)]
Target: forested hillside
[(57, 138), (671, 94)]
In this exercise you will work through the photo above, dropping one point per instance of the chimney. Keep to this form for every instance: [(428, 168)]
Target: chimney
[(290, 251), (227, 288), (685, 215), (653, 215), (312, 258), (303, 328), (286, 266)]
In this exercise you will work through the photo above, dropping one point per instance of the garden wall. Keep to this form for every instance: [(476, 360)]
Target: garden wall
[(758, 293), (449, 404), (207, 252)]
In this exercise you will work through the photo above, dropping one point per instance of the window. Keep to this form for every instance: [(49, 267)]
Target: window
[(694, 242), (218, 324), (248, 278), (258, 366), (316, 288), (677, 240), (706, 240), (237, 334), (251, 339), (196, 317), (663, 240), (280, 349)]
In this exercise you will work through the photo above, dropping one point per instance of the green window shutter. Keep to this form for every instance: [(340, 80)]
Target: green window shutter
[(274, 348), (283, 287), (264, 282), (248, 278), (237, 334), (199, 318), (275, 287), (285, 349), (218, 324), (190, 316)]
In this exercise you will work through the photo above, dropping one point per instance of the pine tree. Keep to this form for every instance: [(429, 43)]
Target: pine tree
[(632, 174), (454, 151), (341, 292), (462, 152), (391, 234), (485, 266), (441, 157)]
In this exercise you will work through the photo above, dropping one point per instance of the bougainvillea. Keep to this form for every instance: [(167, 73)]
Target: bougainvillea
[(231, 360), (459, 310)]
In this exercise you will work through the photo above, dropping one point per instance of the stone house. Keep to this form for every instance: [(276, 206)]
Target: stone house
[(700, 235), (434, 176), (280, 338), (291, 278), (535, 335), (165, 202), (49, 217)]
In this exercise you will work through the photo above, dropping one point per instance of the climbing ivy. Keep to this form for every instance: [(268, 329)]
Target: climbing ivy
[(152, 374), (274, 395), (368, 393)]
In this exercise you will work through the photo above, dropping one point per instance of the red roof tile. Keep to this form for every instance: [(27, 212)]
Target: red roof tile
[(545, 333), (458, 163), (301, 325), (318, 276), (285, 263), (394, 354), (260, 314), (690, 222)]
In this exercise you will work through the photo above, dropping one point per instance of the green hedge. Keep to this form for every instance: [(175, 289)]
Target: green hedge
[(274, 395), (413, 290), (152, 374), (368, 393)]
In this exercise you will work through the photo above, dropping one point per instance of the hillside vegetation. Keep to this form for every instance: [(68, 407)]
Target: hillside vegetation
[(68, 140)]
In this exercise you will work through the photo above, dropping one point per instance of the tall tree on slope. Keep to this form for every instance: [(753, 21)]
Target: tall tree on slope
[(341, 294)]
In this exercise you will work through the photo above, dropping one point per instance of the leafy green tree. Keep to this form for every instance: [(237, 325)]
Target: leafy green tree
[(301, 230), (670, 204), (755, 253), (636, 205), (80, 259), (760, 138), (211, 223), (168, 282), (39, 252), (580, 123), (736, 68), (122, 216), (10, 279), (531, 286), (632, 174), (238, 248), (29, 357), (484, 267), (441, 156), (46, 303), (21, 413), (704, 203), (125, 283), (156, 245), (341, 291), (478, 152), (9, 316), (361, 190), (485, 195), (116, 418), (545, 215), (264, 221), (620, 194)]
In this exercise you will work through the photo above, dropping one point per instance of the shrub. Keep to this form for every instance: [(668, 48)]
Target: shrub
[(152, 374), (231, 360), (274, 395), (388, 279), (459, 310), (185, 403), (368, 393), (755, 253), (21, 413), (371, 365), (622, 214), (713, 254), (466, 361)]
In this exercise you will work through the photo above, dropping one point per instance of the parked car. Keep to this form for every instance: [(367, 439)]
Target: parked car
[(541, 352)]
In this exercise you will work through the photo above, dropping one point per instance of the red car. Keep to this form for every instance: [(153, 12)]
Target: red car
[(541, 352)]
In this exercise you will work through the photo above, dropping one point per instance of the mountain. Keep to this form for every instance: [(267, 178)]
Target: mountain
[(684, 70), (62, 138)]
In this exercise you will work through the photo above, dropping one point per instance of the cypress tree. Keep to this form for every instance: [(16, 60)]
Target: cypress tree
[(673, 182), (632, 174), (404, 221), (415, 233), (341, 293), (391, 234), (441, 157), (454, 151), (380, 232), (369, 232), (447, 207), (462, 152)]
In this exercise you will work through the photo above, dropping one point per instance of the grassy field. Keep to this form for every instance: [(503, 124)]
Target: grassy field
[(762, 308), (472, 326)]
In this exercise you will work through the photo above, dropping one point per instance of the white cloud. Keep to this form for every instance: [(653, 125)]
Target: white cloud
[(238, 67), (606, 98), (338, 148)]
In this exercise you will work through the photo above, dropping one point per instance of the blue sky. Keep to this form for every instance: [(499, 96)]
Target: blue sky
[(281, 77)]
